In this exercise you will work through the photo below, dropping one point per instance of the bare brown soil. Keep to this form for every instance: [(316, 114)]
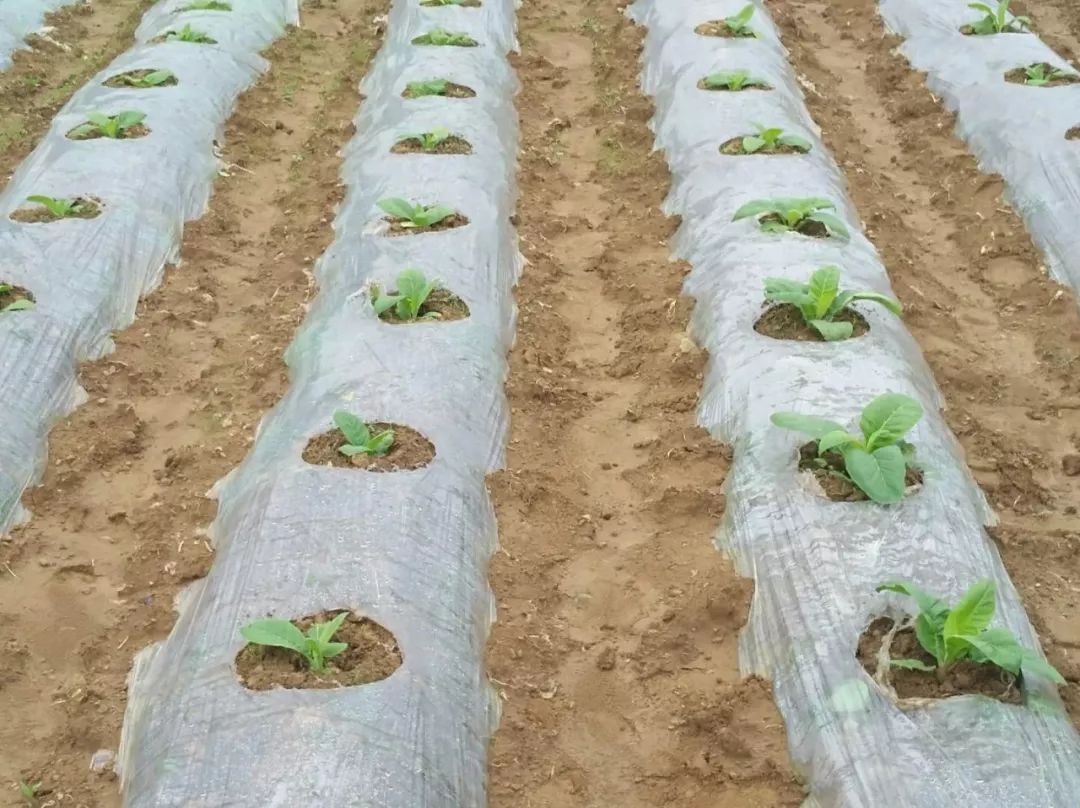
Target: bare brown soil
[(734, 147), (961, 678), (411, 450), (441, 305), (452, 91), (413, 145), (1019, 76), (89, 208), (372, 655), (785, 321), (119, 521), (615, 646), (1003, 340), (402, 227)]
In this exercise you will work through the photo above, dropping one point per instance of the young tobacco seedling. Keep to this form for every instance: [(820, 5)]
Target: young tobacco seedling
[(359, 436), (783, 215), (1037, 75), (438, 36), (997, 20), (732, 80), (207, 5), (963, 632), (429, 141), (315, 646), (419, 89), (60, 208), (189, 34), (769, 138), (111, 126), (739, 24), (154, 79), (29, 793), (410, 215), (820, 301), (19, 305), (412, 290), (875, 461)]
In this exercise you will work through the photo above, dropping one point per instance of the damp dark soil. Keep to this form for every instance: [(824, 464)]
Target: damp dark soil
[(9, 293), (703, 86), (372, 655), (124, 79), (1073, 134), (808, 227), (836, 487), (1019, 76), (734, 147), (720, 28), (785, 321), (452, 145), (411, 450), (425, 40), (38, 214), (441, 305), (961, 678), (131, 133), (398, 227), (452, 91)]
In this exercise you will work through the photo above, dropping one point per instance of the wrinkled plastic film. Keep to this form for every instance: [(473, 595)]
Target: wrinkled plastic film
[(816, 563), (18, 19), (1014, 130), (87, 275), (407, 549)]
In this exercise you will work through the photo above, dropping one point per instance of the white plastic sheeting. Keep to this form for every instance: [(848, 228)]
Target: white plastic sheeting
[(1014, 130), (18, 18), (816, 563), (87, 275), (408, 549)]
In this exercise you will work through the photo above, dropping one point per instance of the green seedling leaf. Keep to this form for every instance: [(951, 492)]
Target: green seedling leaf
[(441, 37), (57, 207), (277, 633), (738, 23), (996, 20), (354, 429), (154, 79), (207, 5), (807, 424), (429, 87), (879, 474), (971, 616), (189, 34), (832, 223), (832, 332), (732, 80), (1033, 663), (398, 208), (820, 300), (887, 418)]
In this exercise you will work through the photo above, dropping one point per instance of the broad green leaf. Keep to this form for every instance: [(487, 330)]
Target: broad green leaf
[(737, 22), (381, 443), (912, 665), (783, 286), (326, 631), (887, 418), (353, 428), (411, 283), (22, 304), (928, 631), (832, 332), (810, 425), (275, 632), (1031, 662), (823, 287), (774, 227), (874, 297), (880, 473), (398, 208), (795, 142), (433, 215), (752, 143), (384, 303), (971, 615), (332, 649), (835, 439), (98, 119), (927, 603), (157, 77), (997, 644), (833, 224), (352, 449), (755, 208)]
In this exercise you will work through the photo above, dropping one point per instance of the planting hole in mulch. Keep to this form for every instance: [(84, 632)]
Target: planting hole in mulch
[(411, 450), (452, 91), (1073, 134), (720, 28), (89, 208), (808, 227), (1019, 75), (828, 468), (785, 321), (131, 133), (452, 145), (968, 30), (398, 226), (701, 85), (462, 4), (9, 293), (442, 303), (372, 655), (734, 147), (133, 79), (962, 678)]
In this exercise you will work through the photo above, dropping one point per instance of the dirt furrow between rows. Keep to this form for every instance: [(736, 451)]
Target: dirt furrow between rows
[(119, 520), (76, 42), (614, 650), (1003, 340)]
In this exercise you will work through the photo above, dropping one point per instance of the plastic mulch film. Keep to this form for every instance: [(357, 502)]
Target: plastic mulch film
[(1015, 130), (19, 18), (409, 549), (816, 563), (87, 275)]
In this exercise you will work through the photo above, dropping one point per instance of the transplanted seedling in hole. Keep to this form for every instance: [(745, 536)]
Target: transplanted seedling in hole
[(60, 208), (413, 216), (963, 632), (1040, 74), (793, 214), (876, 461), (429, 141), (733, 80), (315, 647), (207, 5), (189, 34), (770, 139), (820, 301), (155, 78), (112, 126), (19, 305), (438, 36), (412, 291), (739, 24), (996, 20), (359, 438)]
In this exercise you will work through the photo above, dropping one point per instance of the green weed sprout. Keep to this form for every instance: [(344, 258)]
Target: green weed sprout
[(996, 20), (438, 36), (820, 301), (111, 126), (189, 34), (60, 208), (412, 290), (962, 632), (769, 138), (429, 141), (409, 215), (359, 437), (315, 646), (788, 214), (875, 461), (732, 80)]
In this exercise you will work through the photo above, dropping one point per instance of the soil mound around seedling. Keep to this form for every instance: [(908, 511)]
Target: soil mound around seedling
[(962, 678), (38, 214), (452, 91), (733, 147), (838, 488), (12, 294), (703, 86), (411, 450), (785, 321), (118, 79), (398, 226), (452, 145), (372, 656), (442, 302), (1018, 75), (720, 28)]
